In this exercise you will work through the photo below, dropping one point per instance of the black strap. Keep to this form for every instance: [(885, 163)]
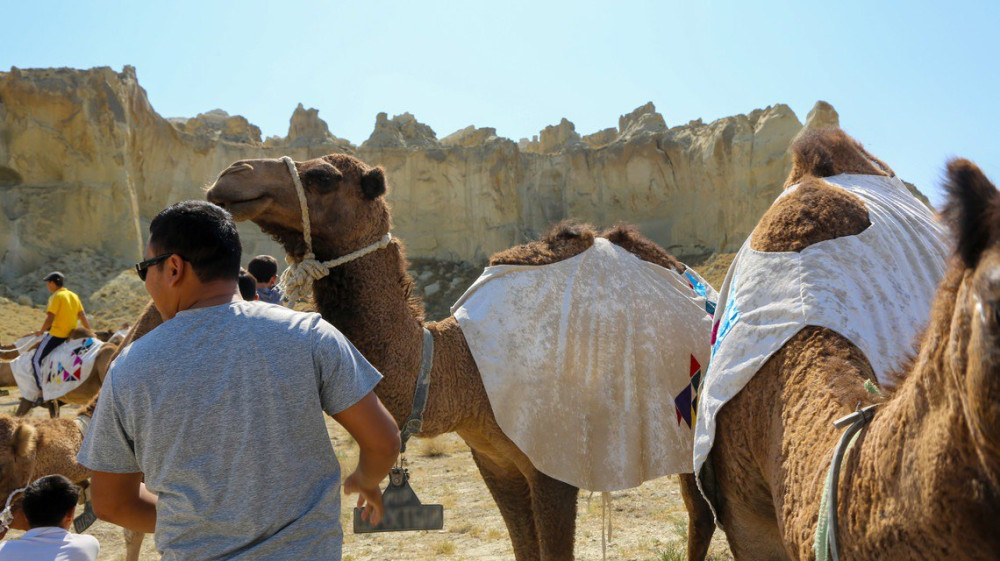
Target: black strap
[(413, 424)]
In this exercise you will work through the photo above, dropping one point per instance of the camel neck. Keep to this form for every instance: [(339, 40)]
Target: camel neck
[(919, 455), (368, 300)]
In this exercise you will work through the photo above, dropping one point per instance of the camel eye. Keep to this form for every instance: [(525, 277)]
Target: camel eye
[(324, 178)]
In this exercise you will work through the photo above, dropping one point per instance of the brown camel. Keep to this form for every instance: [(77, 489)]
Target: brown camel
[(31, 448), (369, 300), (923, 479), (79, 396)]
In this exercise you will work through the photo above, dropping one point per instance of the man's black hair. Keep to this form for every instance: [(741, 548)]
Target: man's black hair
[(263, 268), (47, 500), (202, 234), (248, 286)]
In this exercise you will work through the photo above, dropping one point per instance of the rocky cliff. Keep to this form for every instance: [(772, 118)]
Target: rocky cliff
[(85, 163)]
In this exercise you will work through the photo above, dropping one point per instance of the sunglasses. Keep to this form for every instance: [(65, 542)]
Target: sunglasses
[(143, 267)]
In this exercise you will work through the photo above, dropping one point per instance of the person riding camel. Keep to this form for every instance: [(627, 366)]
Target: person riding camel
[(62, 313)]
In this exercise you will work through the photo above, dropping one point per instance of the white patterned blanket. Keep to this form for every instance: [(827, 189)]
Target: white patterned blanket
[(63, 370), (875, 289), (592, 364)]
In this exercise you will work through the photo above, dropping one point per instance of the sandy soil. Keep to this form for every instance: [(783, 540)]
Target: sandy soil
[(648, 523)]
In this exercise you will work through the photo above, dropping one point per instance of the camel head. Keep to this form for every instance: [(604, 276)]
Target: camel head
[(18, 442), (972, 354), (828, 152), (347, 209)]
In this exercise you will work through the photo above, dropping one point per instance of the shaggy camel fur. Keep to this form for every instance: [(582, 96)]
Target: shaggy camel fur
[(923, 479), (31, 448), (79, 396), (370, 301)]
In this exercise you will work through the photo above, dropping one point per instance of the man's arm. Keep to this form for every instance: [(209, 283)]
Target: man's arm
[(122, 499), (377, 436), (83, 319), (49, 318)]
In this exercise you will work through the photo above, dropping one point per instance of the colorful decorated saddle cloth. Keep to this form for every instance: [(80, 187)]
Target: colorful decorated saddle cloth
[(592, 364), (875, 289), (63, 370)]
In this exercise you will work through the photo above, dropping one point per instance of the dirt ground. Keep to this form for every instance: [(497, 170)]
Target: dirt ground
[(648, 523)]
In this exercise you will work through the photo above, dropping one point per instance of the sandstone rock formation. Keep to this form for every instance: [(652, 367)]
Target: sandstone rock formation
[(402, 131), (217, 124), (85, 162)]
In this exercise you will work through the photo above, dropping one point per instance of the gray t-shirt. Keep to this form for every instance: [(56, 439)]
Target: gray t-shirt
[(221, 409)]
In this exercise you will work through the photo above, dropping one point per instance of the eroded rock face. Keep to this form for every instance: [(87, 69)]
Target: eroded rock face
[(402, 131), (644, 120), (85, 162), (307, 130), (219, 125)]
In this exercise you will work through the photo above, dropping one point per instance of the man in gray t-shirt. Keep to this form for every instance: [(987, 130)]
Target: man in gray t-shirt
[(220, 410)]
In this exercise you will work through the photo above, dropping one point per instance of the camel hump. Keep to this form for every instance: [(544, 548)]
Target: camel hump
[(828, 152), (629, 238), (81, 333), (814, 212), (566, 239), (570, 238)]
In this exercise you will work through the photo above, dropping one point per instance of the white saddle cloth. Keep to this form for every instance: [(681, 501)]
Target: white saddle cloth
[(63, 370), (592, 364), (875, 289)]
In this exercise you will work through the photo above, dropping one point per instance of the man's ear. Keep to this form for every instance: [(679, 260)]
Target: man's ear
[(175, 268), (373, 183)]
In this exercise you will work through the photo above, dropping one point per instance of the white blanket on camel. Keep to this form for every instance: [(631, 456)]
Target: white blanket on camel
[(592, 364), (63, 370), (875, 289)]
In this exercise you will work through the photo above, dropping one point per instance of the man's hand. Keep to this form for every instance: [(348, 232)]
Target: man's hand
[(369, 498), (378, 438)]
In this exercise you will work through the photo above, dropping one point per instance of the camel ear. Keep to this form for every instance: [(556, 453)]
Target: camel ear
[(373, 183), (24, 440), (972, 210)]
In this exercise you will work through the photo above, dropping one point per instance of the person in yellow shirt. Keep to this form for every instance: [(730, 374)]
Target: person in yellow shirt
[(61, 315)]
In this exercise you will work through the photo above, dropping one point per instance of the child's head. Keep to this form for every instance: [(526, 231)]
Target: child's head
[(48, 500), (264, 268), (247, 285)]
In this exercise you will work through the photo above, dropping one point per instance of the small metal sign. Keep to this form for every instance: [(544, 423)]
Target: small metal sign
[(402, 511), (85, 520)]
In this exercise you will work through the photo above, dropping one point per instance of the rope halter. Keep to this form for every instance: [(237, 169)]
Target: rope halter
[(7, 516), (296, 281)]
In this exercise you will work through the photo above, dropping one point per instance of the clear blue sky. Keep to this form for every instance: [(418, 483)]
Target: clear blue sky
[(917, 81)]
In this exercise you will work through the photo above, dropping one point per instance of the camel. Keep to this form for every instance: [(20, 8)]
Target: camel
[(923, 479), (369, 300), (31, 448), (79, 396)]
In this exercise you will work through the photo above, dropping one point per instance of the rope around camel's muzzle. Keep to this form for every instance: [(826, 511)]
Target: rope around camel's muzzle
[(296, 281)]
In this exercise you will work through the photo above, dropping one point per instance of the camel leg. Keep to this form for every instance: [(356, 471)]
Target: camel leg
[(23, 407), (53, 407), (747, 508), (513, 496), (701, 524), (133, 544), (554, 505)]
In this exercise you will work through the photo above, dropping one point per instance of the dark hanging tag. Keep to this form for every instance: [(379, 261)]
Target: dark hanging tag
[(401, 509), (85, 520)]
